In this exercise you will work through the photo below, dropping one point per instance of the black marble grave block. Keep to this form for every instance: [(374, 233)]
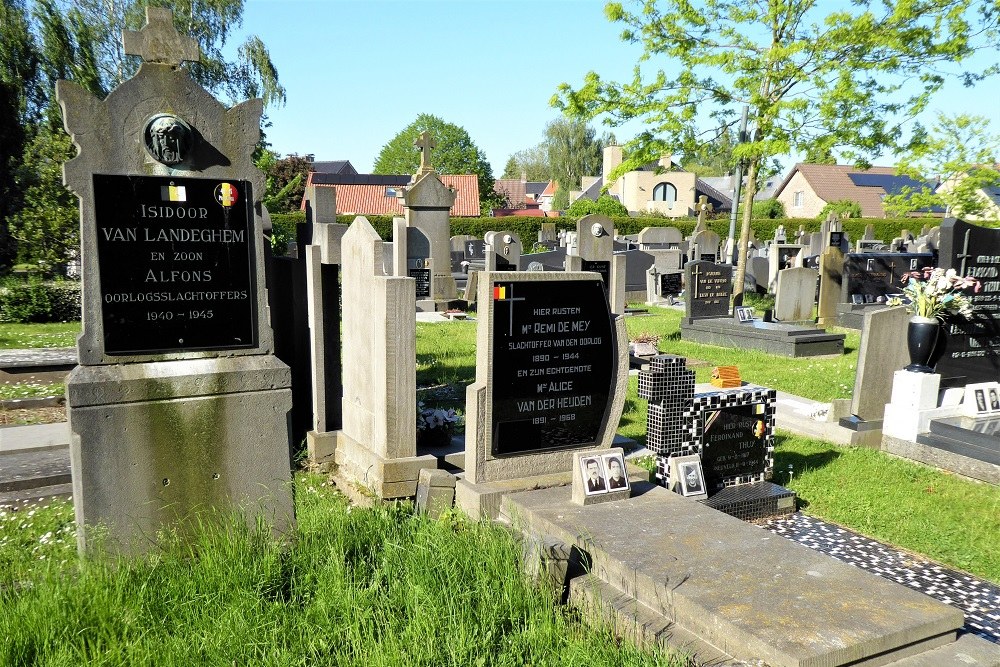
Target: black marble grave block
[(177, 264)]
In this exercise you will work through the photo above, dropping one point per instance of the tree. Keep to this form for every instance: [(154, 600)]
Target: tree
[(532, 162), (454, 153), (20, 97), (286, 181), (808, 77), (574, 151), (714, 157), (962, 152), (844, 208), (605, 205), (81, 41)]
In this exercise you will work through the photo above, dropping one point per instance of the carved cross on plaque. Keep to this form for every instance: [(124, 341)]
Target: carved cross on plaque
[(424, 144), (965, 253), (159, 42), (695, 272)]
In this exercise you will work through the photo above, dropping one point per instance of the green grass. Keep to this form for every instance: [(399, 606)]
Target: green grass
[(947, 518), (31, 390), (53, 334), (818, 378), (353, 587)]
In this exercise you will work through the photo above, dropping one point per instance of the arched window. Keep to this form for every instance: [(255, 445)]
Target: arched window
[(665, 192)]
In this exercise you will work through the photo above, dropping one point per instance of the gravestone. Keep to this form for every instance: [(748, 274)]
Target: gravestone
[(795, 295), (663, 287), (759, 268), (731, 431), (322, 258), (869, 277), (657, 238), (377, 446), (503, 251), (547, 233), (709, 288), (551, 370), (881, 351), (419, 263), (427, 205), (782, 256), (178, 405), (970, 349), (704, 246), (831, 272), (593, 251)]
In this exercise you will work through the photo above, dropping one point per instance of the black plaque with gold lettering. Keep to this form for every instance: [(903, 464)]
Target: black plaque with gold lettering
[(553, 364), (733, 443), (176, 263)]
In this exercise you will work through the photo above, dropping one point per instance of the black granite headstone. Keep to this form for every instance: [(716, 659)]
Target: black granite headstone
[(600, 267), (870, 276), (553, 364), (970, 349), (671, 284), (733, 443), (422, 277), (177, 264), (709, 286), (475, 249)]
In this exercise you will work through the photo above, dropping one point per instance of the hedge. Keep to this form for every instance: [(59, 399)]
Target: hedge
[(885, 229), (39, 301)]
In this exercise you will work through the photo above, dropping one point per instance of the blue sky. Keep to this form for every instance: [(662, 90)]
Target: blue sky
[(356, 72)]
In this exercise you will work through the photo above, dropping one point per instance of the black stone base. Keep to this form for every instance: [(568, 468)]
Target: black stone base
[(789, 340), (974, 438), (749, 502), (856, 423)]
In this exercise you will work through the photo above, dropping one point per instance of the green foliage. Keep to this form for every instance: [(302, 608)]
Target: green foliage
[(845, 208), (47, 228), (560, 198), (962, 150), (532, 162), (39, 301), (574, 151), (286, 182), (713, 157), (454, 153), (848, 78), (768, 209), (283, 230), (605, 205)]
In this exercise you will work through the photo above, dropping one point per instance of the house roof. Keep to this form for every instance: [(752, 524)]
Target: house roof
[(550, 190), (724, 184), (832, 182), (719, 200), (535, 188), (334, 167), (594, 191), (514, 188), (375, 194)]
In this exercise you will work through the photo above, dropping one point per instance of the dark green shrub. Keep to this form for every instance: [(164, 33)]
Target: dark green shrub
[(605, 205), (767, 209), (842, 207), (37, 301)]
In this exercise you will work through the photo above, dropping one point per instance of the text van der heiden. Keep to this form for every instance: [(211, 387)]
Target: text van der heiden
[(174, 235)]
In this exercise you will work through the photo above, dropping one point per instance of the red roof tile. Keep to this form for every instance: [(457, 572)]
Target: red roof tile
[(367, 199)]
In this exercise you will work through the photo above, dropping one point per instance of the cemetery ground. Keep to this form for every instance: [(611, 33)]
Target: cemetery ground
[(357, 585)]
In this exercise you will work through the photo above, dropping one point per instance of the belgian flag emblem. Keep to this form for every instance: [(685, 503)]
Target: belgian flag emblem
[(226, 194)]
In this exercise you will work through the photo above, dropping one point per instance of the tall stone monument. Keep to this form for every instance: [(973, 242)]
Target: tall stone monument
[(178, 404), (427, 205)]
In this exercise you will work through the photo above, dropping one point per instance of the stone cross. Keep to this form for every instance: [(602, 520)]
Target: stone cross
[(425, 142), (703, 207), (159, 42)]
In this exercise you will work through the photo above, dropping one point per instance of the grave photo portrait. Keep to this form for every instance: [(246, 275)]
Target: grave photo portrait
[(692, 478), (615, 467), (593, 475)]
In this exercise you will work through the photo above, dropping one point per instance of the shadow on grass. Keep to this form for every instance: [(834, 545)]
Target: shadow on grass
[(789, 463)]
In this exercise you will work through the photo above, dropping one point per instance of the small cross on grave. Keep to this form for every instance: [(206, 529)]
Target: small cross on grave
[(425, 143), (159, 42), (695, 272), (965, 253)]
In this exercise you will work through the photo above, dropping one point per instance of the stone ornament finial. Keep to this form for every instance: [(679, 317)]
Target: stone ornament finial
[(159, 42), (424, 143)]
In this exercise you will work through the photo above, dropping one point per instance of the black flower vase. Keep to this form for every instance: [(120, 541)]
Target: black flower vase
[(921, 338)]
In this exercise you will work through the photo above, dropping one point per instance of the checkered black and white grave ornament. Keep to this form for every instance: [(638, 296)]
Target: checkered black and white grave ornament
[(678, 419)]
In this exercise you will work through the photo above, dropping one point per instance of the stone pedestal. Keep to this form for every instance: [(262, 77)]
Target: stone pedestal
[(914, 404), (178, 437)]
